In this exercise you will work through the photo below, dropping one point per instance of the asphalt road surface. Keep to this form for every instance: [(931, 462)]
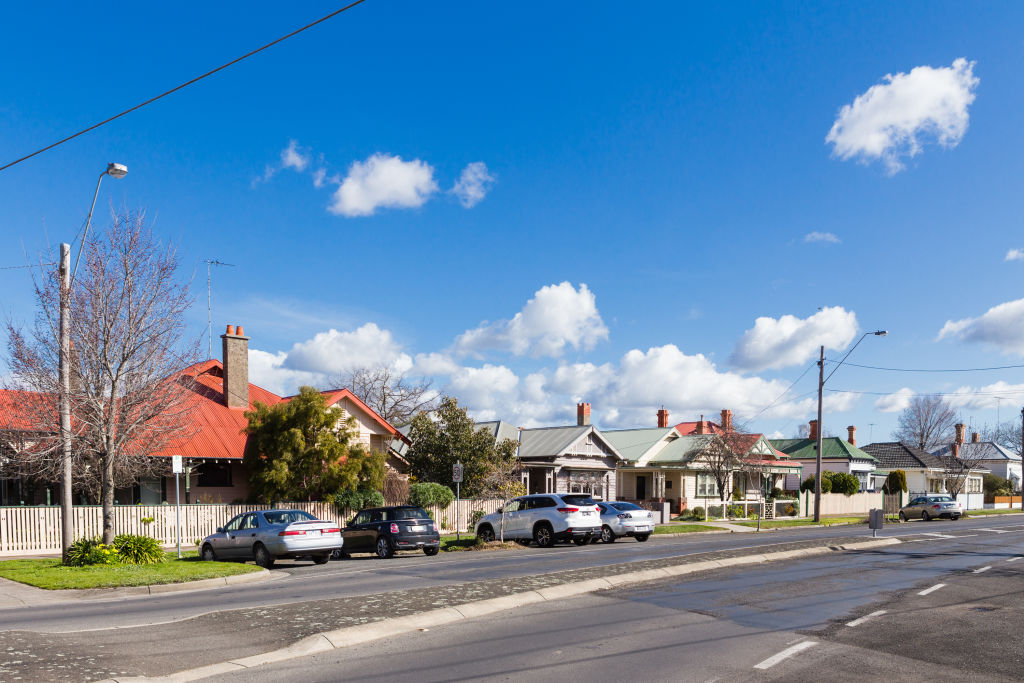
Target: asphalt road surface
[(943, 607)]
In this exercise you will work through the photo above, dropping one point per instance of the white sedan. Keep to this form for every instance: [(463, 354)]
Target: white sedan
[(619, 518)]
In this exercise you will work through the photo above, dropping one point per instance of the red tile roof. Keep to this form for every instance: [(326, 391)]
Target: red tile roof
[(688, 428)]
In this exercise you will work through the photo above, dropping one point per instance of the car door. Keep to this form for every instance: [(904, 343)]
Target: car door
[(223, 542), (354, 535), (511, 519), (245, 537)]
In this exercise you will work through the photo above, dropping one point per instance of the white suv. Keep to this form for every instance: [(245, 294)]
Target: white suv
[(544, 518)]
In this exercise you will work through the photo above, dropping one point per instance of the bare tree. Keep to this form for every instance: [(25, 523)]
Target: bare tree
[(393, 395), (503, 479), (720, 458), (926, 423), (129, 396), (1006, 434), (396, 488), (962, 460)]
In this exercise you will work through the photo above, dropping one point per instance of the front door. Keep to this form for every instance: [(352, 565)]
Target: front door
[(641, 487)]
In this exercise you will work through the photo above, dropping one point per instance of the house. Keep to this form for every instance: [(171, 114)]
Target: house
[(925, 472), (995, 457), (837, 455), (215, 444)]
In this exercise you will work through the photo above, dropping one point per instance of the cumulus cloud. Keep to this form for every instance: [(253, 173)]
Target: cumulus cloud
[(294, 158), (1001, 326), (334, 352), (268, 370), (383, 181), (983, 398), (557, 317), (895, 402), (1015, 255), (473, 185), (893, 118), (434, 364), (787, 341), (821, 237)]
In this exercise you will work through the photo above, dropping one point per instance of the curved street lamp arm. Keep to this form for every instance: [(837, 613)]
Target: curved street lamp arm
[(88, 220)]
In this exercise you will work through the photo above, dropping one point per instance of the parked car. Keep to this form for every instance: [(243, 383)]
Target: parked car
[(544, 518), (269, 535), (382, 531), (619, 518), (930, 507)]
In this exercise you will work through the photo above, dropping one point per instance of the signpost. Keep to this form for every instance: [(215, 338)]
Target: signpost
[(457, 479), (177, 468)]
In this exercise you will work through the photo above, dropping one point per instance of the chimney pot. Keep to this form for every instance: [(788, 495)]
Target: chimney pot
[(975, 437), (727, 420), (239, 331), (960, 433), (663, 418), (813, 431), (582, 414), (231, 329), (851, 435)]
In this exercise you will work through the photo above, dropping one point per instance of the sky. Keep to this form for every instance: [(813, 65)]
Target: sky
[(664, 205)]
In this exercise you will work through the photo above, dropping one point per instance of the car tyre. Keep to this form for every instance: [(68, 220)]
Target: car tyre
[(642, 537), (925, 517), (384, 549), (322, 559), (485, 533), (430, 552), (339, 554), (581, 540), (607, 535), (543, 536), (262, 556), (903, 517), (207, 554)]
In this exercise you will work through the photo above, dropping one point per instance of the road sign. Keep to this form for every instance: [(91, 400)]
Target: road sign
[(457, 473), (176, 467)]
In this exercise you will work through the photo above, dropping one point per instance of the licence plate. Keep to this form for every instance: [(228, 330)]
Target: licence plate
[(642, 527), (587, 512), (313, 532), (417, 527)]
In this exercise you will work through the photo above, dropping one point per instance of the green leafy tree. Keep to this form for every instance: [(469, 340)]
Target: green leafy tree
[(896, 481), (450, 436), (301, 450)]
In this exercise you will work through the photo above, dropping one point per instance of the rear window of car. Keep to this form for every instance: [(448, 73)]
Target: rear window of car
[(626, 506), (578, 500), (406, 513), (940, 499), (288, 516), (543, 502)]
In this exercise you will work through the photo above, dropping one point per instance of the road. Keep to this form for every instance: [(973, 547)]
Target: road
[(942, 609)]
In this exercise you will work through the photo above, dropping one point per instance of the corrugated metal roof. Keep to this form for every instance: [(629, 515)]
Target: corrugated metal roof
[(682, 450), (832, 448), (632, 444), (981, 450), (500, 430), (549, 441)]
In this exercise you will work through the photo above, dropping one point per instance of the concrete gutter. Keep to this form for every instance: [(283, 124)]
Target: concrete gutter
[(363, 633)]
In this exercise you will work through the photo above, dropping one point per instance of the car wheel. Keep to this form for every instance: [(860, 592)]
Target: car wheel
[(430, 552), (384, 549), (903, 517), (642, 537), (339, 554), (581, 540), (207, 554), (485, 533), (607, 535), (263, 556), (543, 536), (925, 517), (322, 559)]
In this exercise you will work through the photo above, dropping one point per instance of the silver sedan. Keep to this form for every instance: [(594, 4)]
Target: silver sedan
[(268, 535), (619, 518), (930, 507)]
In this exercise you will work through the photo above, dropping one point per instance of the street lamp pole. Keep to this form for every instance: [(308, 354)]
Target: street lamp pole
[(67, 279), (821, 387)]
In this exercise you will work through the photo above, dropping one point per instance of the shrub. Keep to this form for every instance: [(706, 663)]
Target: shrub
[(994, 485), (132, 549), (896, 481), (826, 483), (89, 551), (752, 514), (715, 511), (347, 499), (790, 510), (846, 484), (697, 512), (735, 510), (776, 493), (475, 517), (427, 493)]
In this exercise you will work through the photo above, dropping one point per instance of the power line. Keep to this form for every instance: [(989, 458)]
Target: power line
[(874, 367), (779, 397), (34, 265), (930, 393), (183, 85)]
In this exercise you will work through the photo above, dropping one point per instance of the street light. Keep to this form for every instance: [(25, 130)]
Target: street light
[(67, 522), (821, 385)]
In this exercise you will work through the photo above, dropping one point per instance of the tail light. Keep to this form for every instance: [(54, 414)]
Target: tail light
[(394, 528), (568, 509), (624, 515), (333, 530), (294, 532), (936, 506)]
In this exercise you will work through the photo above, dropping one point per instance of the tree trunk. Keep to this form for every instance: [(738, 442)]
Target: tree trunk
[(107, 496)]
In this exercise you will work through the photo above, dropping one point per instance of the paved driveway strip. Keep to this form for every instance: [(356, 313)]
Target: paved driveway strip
[(219, 636)]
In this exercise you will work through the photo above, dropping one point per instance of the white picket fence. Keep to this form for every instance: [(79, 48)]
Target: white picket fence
[(27, 530)]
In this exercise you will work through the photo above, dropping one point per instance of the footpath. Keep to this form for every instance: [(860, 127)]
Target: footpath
[(219, 642)]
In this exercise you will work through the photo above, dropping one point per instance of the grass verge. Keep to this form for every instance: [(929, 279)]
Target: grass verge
[(982, 513), (683, 528), (450, 544), (51, 575), (783, 523)]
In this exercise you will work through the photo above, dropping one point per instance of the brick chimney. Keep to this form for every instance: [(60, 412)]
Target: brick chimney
[(663, 418), (975, 437), (700, 426), (851, 435), (727, 420), (582, 414), (235, 347), (960, 433), (813, 431)]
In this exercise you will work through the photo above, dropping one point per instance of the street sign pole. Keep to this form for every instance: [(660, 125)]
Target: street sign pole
[(176, 467), (457, 479)]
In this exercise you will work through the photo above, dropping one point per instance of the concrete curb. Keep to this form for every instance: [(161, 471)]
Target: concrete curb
[(355, 635)]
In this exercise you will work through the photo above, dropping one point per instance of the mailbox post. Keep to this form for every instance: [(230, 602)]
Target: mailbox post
[(876, 518)]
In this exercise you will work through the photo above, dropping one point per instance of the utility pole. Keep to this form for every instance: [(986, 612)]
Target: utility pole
[(817, 447), (67, 530), (1021, 460)]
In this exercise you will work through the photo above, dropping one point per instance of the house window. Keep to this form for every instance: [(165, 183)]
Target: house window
[(668, 484), (862, 477), (935, 486), (587, 482), (707, 487), (974, 485), (214, 474)]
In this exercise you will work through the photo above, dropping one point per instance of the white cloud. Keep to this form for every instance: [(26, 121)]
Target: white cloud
[(434, 364), (557, 317), (294, 158), (985, 398), (334, 352), (267, 370), (892, 118), (895, 402), (774, 344), (1001, 326), (1015, 255), (821, 237), (383, 181), (473, 185), (582, 380)]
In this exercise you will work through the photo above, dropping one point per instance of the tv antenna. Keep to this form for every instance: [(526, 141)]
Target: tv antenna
[(209, 302)]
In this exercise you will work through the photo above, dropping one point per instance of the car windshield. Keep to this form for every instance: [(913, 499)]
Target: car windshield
[(626, 506), (940, 499), (406, 513), (578, 500), (288, 516)]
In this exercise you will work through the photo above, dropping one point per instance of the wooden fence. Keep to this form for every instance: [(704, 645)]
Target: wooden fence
[(27, 530)]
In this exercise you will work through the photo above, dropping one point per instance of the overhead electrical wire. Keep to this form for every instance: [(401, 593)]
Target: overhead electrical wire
[(928, 393), (183, 85), (874, 367)]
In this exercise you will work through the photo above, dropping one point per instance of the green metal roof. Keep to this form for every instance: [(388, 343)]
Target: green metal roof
[(633, 443), (832, 448)]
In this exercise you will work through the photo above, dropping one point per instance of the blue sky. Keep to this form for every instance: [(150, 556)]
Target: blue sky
[(671, 158)]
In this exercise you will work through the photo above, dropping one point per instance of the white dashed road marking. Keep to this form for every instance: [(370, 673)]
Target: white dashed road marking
[(937, 535), (1014, 559), (934, 588), (788, 652), (983, 569), (858, 622), (997, 531)]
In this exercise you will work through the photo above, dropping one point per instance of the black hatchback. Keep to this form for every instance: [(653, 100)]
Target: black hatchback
[(382, 531)]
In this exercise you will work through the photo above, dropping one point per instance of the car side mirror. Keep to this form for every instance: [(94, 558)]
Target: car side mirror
[(220, 530), (500, 510)]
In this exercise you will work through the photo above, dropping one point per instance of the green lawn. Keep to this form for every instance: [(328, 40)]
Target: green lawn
[(682, 528), (973, 513), (781, 523), (50, 574)]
